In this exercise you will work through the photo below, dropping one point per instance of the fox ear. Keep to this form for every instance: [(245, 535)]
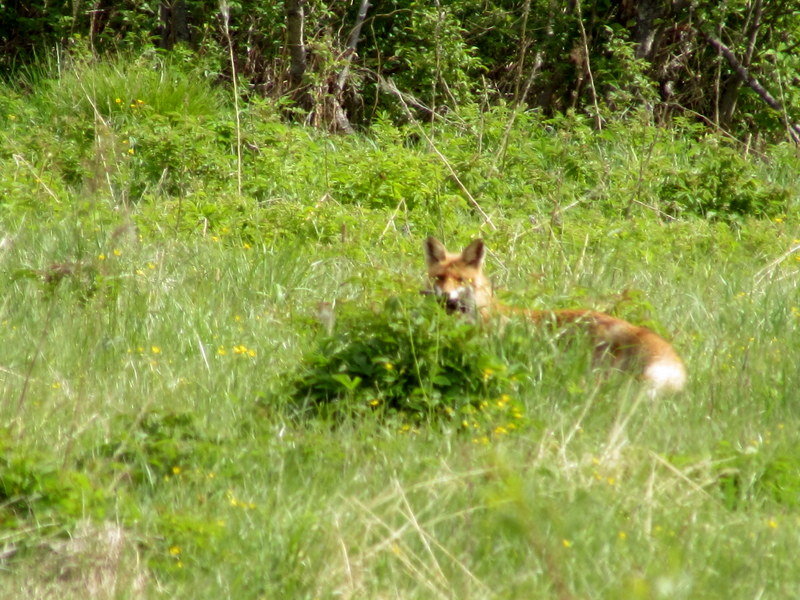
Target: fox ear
[(435, 252), (473, 254)]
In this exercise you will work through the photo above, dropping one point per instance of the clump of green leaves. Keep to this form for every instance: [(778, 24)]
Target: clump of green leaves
[(156, 444), (409, 357), (750, 476), (719, 183), (35, 485)]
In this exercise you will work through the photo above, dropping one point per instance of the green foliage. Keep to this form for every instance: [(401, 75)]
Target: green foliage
[(425, 48), (754, 476), (717, 183), (445, 56), (34, 486), (153, 393), (624, 78), (386, 177), (410, 357), (171, 151), (155, 445)]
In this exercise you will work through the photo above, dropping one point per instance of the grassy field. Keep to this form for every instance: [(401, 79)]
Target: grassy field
[(156, 321)]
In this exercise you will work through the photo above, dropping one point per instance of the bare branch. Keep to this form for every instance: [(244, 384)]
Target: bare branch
[(755, 85)]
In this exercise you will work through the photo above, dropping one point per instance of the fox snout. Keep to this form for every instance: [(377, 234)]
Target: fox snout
[(461, 300)]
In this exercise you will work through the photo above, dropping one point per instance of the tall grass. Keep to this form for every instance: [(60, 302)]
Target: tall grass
[(151, 446)]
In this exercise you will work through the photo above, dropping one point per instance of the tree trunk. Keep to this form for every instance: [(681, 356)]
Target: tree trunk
[(352, 44), (174, 23), (295, 22), (648, 12)]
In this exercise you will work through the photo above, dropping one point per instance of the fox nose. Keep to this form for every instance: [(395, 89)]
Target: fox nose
[(452, 300)]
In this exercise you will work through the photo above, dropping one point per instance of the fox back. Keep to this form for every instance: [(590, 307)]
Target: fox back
[(458, 280)]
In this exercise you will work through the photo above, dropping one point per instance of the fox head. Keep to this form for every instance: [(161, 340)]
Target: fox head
[(458, 279)]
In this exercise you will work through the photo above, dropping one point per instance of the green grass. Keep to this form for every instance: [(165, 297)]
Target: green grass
[(151, 443)]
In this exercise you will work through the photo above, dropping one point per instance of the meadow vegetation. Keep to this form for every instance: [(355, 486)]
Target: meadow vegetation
[(177, 421)]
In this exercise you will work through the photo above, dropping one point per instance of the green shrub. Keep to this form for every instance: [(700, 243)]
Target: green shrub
[(752, 477), (409, 357), (385, 177), (35, 485), (719, 183), (154, 445)]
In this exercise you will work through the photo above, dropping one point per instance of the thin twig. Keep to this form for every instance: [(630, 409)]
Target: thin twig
[(18, 158), (598, 119), (518, 108), (677, 472), (640, 179), (392, 218), (36, 352), (225, 11), (99, 117), (423, 535), (655, 209), (767, 270)]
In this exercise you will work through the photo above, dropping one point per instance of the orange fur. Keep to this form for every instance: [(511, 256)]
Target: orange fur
[(459, 280)]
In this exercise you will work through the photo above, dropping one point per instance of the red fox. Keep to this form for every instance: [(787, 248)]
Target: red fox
[(459, 281)]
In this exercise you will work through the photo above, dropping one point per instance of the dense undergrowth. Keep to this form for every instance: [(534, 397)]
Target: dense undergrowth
[(181, 417)]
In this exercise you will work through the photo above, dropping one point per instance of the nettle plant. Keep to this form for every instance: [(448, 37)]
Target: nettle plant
[(411, 358)]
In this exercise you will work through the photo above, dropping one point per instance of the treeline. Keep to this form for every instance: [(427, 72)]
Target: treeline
[(340, 64)]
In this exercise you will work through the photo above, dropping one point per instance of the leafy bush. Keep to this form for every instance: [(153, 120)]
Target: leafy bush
[(36, 485), (749, 476), (719, 183), (410, 357), (386, 177), (155, 445)]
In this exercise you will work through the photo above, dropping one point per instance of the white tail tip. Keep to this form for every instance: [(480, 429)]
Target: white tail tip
[(665, 375)]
